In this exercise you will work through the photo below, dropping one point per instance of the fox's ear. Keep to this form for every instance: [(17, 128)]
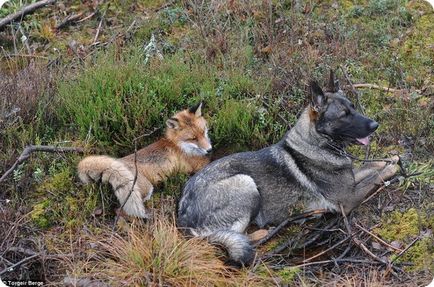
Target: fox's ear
[(317, 96), (196, 109), (333, 84), (172, 123)]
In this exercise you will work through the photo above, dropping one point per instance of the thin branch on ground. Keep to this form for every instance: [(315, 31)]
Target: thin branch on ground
[(135, 171), (69, 20), (100, 25), (10, 268), (327, 250), (406, 249), (38, 148), (377, 238), (288, 221), (24, 11), (385, 89)]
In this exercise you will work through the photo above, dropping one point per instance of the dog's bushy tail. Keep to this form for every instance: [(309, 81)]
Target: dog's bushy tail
[(121, 178), (237, 245)]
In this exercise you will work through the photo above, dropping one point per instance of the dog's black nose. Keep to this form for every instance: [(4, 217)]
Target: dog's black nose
[(373, 125), (209, 150)]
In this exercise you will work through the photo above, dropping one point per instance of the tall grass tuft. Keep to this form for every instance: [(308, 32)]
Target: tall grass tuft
[(157, 254)]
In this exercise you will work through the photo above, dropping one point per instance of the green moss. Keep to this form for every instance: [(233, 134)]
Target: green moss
[(401, 226), (287, 274), (421, 254), (39, 215), (405, 227), (60, 202)]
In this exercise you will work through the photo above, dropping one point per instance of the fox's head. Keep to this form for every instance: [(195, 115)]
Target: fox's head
[(336, 117), (188, 129)]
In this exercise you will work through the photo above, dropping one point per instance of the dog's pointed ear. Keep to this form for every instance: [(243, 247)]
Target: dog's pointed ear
[(317, 96), (333, 84), (196, 109), (172, 123)]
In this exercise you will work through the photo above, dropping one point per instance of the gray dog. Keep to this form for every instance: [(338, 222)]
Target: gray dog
[(307, 170)]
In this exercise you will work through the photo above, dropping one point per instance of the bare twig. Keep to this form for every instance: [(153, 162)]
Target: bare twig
[(288, 221), (38, 148), (327, 250), (406, 248), (26, 10), (347, 224), (87, 17), (10, 268), (386, 89), (377, 238), (349, 260), (135, 171), (69, 20), (367, 251), (100, 24)]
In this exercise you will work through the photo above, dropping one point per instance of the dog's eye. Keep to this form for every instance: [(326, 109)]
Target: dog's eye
[(343, 113), (193, 139)]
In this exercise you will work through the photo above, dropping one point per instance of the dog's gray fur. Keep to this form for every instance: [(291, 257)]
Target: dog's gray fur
[(302, 172)]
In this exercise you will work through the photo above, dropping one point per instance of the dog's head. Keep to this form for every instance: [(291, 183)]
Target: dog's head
[(336, 117)]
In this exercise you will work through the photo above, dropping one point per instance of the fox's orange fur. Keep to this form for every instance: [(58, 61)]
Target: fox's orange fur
[(183, 149)]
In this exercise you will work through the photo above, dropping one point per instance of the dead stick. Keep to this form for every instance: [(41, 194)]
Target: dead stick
[(336, 261), (327, 250), (135, 172), (377, 87), (406, 248), (69, 20), (377, 238), (11, 268), (87, 17), (367, 251), (100, 24), (26, 10), (287, 221), (38, 148)]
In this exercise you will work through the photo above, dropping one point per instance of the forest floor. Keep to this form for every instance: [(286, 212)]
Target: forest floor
[(81, 74)]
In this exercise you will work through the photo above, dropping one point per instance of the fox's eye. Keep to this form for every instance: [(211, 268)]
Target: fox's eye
[(193, 138)]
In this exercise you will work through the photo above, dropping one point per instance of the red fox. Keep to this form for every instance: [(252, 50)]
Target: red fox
[(183, 149)]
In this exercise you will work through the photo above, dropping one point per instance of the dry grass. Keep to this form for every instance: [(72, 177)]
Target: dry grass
[(21, 92), (157, 254)]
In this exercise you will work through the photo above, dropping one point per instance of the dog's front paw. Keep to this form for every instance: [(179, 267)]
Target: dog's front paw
[(258, 235)]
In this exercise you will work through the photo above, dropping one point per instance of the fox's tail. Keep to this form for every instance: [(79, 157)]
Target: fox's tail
[(237, 245), (121, 177)]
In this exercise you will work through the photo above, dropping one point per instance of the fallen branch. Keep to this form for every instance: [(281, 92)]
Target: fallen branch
[(11, 268), (100, 25), (69, 20), (385, 89), (377, 238), (327, 250), (38, 148), (406, 248), (26, 10), (288, 221)]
